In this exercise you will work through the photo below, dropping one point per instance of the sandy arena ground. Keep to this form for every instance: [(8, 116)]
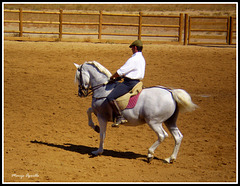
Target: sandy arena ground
[(47, 138)]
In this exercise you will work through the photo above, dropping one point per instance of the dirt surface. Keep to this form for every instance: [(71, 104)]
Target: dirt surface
[(47, 138)]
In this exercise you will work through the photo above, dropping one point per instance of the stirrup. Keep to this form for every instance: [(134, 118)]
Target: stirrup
[(120, 120)]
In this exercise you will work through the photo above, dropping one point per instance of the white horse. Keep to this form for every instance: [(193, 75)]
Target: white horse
[(156, 105)]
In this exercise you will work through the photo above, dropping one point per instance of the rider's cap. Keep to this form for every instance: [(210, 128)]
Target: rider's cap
[(136, 43)]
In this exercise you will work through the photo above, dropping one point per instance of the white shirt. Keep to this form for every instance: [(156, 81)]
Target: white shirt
[(134, 68)]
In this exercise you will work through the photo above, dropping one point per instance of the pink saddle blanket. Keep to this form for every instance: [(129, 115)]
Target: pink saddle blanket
[(133, 101)]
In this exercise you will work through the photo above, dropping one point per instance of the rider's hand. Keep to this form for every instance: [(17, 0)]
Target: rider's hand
[(111, 81)]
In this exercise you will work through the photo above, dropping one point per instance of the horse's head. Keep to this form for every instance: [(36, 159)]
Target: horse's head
[(83, 78)]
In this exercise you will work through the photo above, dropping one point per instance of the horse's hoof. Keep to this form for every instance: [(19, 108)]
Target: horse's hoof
[(149, 159), (97, 129), (96, 153), (169, 160), (93, 155)]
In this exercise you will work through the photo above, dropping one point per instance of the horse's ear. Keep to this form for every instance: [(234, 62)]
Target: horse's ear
[(76, 65)]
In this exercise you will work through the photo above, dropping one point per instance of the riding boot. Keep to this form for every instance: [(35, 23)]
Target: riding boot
[(117, 112)]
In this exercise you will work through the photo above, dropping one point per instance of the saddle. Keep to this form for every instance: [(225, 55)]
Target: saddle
[(129, 99)]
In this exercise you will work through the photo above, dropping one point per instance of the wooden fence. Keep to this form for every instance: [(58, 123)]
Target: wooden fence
[(211, 30), (183, 26)]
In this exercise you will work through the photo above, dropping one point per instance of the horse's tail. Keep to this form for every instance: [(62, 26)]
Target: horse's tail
[(183, 100)]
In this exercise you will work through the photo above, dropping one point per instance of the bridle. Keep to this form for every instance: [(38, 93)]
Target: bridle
[(82, 91)]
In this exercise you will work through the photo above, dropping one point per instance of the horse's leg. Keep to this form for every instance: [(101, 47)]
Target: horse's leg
[(89, 113), (90, 122), (162, 134), (103, 127), (178, 138), (172, 127)]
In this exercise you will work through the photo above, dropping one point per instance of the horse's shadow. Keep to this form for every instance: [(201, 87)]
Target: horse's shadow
[(81, 149)]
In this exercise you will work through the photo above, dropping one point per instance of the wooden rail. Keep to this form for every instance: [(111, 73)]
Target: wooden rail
[(187, 26), (99, 24), (211, 28)]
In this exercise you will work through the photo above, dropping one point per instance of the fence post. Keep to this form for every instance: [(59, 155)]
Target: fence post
[(186, 29), (180, 28), (60, 24), (100, 25), (140, 25), (189, 29), (230, 29), (20, 23)]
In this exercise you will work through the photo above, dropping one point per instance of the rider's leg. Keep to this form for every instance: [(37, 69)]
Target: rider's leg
[(117, 111), (118, 91)]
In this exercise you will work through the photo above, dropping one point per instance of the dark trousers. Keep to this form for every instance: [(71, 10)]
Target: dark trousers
[(122, 88)]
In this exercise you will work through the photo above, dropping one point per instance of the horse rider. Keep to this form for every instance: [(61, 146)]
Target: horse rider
[(132, 71)]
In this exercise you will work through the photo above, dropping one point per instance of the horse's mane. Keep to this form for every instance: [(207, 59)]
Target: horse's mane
[(100, 68)]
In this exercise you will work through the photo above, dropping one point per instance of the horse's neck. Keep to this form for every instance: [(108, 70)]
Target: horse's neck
[(97, 77)]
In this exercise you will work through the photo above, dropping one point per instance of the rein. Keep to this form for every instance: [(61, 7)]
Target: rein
[(92, 89), (82, 91)]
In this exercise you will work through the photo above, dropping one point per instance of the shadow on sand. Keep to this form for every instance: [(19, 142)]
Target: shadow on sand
[(87, 150)]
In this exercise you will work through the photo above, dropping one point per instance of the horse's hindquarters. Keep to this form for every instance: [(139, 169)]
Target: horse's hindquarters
[(153, 104)]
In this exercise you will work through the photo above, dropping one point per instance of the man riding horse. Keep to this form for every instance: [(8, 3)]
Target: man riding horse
[(132, 71), (155, 106)]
